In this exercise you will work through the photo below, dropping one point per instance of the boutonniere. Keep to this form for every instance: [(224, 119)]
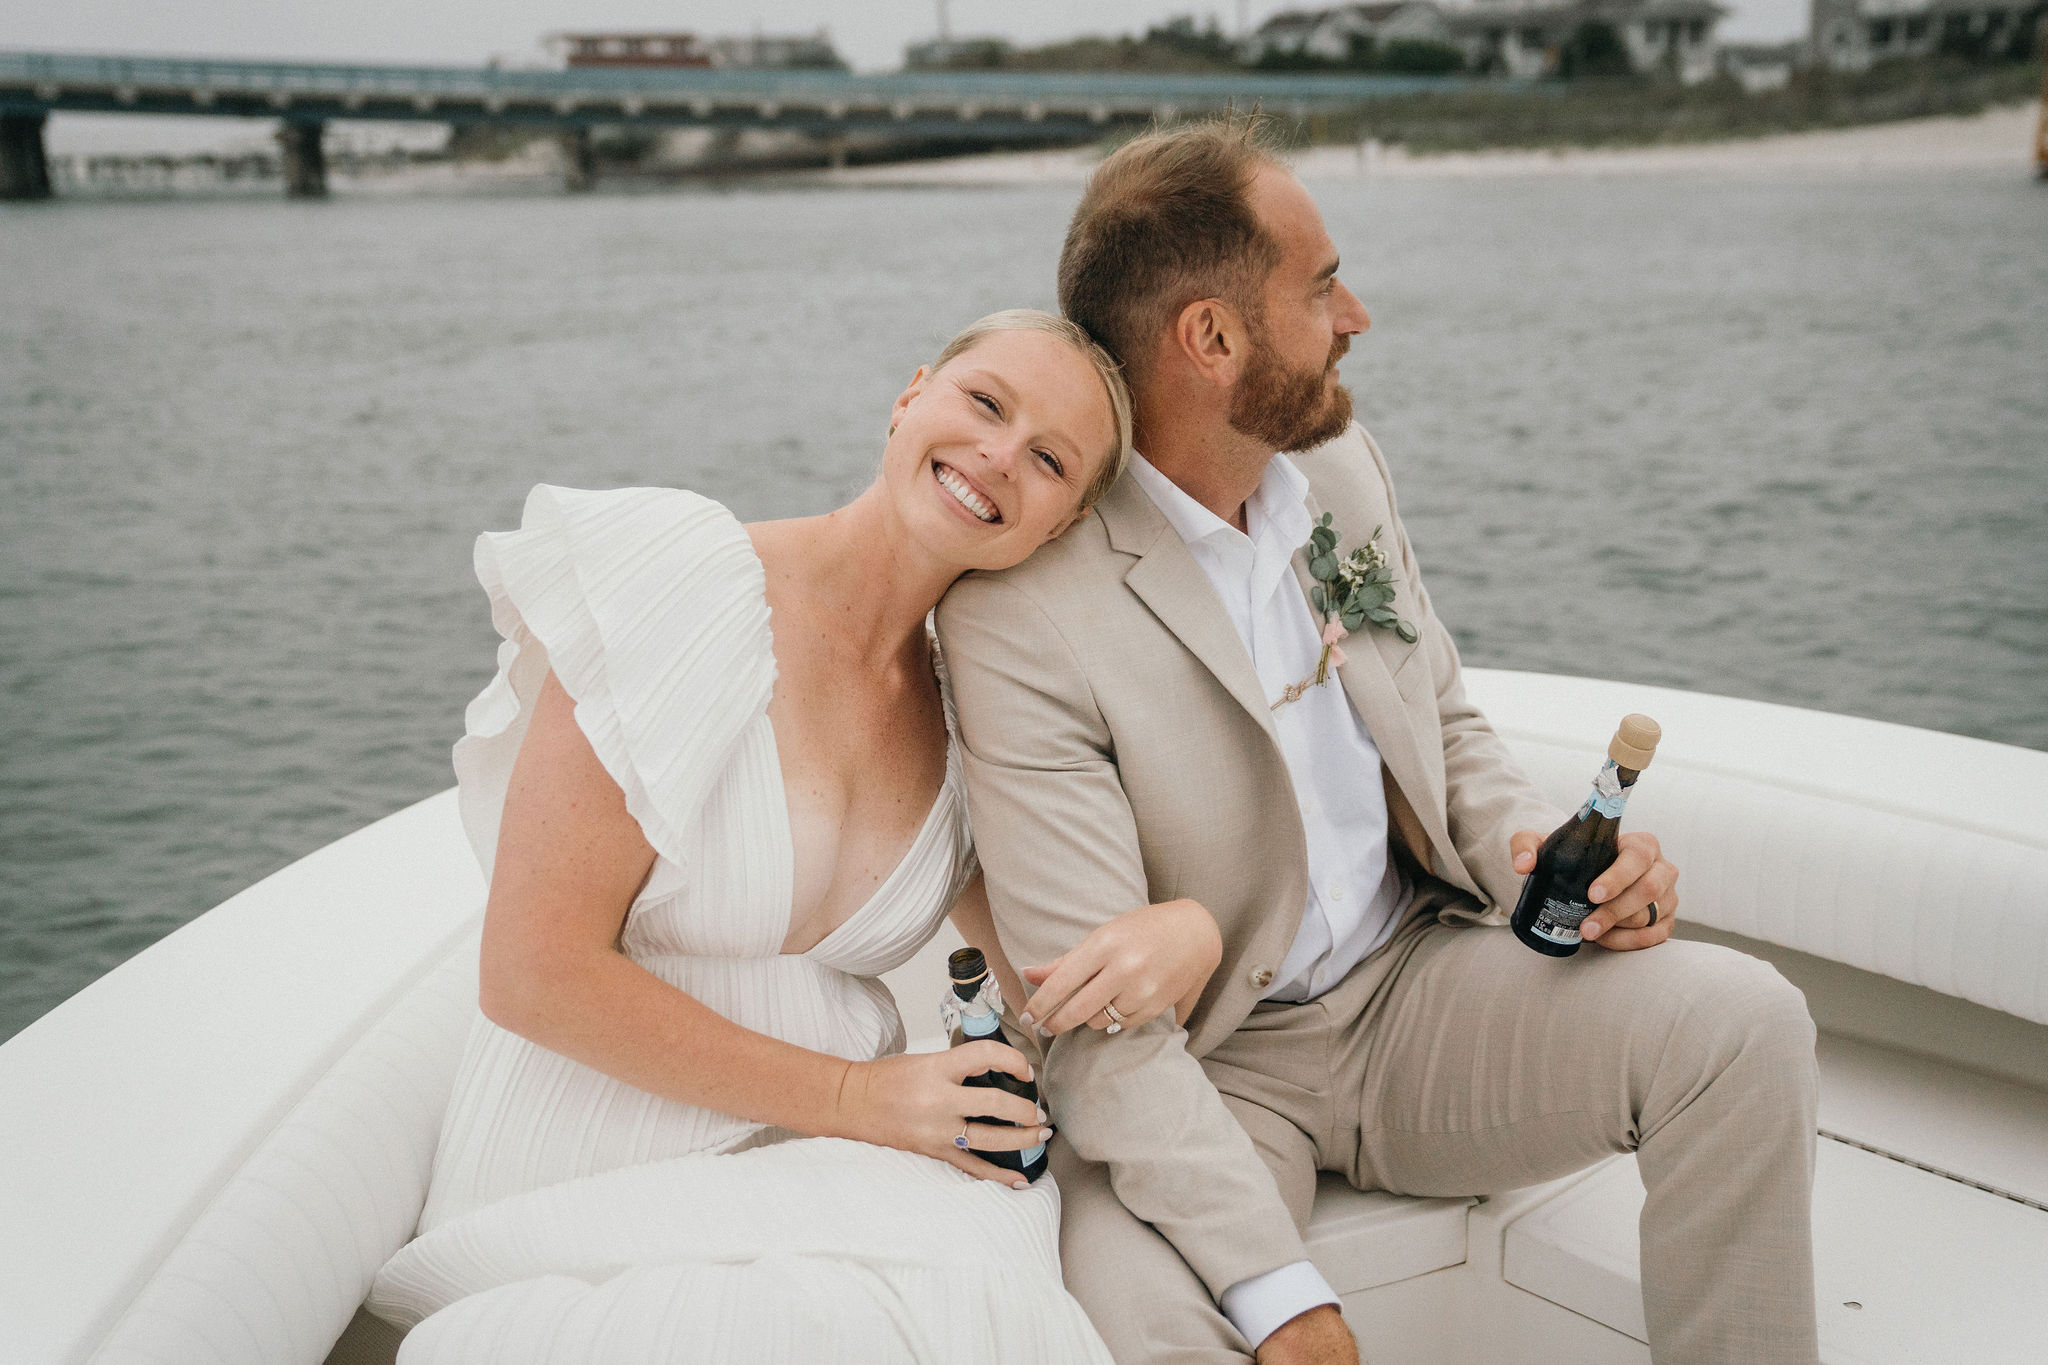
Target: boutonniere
[(1348, 592)]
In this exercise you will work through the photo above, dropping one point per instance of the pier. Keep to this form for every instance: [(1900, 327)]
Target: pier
[(973, 108)]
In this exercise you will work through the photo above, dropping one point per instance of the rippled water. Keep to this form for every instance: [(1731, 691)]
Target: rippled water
[(1768, 437)]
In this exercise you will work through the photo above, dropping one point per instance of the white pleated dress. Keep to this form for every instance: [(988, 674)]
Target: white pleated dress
[(574, 1219)]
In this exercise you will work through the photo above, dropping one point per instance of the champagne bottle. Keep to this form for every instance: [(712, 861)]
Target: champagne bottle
[(972, 1011), (1554, 899)]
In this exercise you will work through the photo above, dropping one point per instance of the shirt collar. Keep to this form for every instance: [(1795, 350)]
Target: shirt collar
[(1279, 502)]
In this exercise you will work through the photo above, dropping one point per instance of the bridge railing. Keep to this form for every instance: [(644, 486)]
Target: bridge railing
[(1116, 89)]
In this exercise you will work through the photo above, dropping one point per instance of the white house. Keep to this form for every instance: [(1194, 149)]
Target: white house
[(1848, 35), (1528, 38), (1336, 34)]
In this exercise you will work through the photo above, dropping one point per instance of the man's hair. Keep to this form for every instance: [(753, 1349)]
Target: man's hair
[(1166, 220)]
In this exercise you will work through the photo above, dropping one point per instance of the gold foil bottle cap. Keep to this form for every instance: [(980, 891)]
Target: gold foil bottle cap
[(1635, 742)]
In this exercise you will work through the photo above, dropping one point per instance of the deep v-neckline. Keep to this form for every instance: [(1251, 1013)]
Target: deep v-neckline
[(785, 826)]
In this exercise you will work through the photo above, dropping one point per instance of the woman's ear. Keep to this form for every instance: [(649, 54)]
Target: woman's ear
[(903, 399), (1068, 524)]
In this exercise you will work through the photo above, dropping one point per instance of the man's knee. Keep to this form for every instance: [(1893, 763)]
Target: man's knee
[(1743, 1022)]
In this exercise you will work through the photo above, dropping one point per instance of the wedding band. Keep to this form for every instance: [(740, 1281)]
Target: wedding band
[(1114, 1017), (961, 1141), (1653, 914)]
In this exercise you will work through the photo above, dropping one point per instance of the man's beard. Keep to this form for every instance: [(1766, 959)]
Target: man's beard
[(1287, 409)]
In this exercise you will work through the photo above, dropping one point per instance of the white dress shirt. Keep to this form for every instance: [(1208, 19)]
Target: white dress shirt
[(1355, 892)]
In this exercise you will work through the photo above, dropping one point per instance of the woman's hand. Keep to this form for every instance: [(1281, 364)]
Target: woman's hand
[(916, 1102), (1142, 962)]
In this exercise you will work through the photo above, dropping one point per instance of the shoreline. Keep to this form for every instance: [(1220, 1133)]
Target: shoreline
[(1998, 138)]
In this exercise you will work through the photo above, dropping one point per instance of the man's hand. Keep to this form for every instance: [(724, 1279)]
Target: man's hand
[(1317, 1337), (1622, 894)]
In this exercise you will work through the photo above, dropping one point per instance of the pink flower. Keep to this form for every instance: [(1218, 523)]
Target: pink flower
[(1332, 633)]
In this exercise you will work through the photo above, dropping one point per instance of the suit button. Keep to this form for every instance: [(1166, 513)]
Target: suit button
[(1262, 977)]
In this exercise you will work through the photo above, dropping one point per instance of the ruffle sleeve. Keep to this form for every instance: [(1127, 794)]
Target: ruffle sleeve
[(650, 606)]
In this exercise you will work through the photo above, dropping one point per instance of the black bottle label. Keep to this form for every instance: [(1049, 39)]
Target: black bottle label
[(1559, 920)]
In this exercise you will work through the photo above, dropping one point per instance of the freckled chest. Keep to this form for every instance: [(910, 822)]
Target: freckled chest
[(863, 756)]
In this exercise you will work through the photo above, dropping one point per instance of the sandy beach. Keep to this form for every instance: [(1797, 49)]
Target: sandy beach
[(1997, 138)]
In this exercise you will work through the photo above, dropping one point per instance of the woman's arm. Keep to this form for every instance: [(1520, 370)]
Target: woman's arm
[(1143, 961), (570, 860)]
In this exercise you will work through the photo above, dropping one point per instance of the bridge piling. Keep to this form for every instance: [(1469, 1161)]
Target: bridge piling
[(24, 169), (305, 158), (579, 157)]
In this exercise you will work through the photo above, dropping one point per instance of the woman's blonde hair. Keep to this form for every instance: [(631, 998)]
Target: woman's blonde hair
[(1106, 369)]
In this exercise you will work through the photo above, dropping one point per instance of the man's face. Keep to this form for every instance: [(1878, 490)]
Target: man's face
[(1288, 396)]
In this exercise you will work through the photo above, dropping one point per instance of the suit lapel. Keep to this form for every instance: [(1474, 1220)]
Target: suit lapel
[(1368, 680), (1167, 579)]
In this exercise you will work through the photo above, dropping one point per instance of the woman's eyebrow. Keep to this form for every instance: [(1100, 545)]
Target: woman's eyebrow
[(987, 379)]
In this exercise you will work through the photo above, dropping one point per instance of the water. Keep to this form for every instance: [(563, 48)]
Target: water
[(1768, 437)]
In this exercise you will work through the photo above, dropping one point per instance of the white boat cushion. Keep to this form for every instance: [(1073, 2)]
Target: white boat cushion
[(273, 1269), (1916, 855)]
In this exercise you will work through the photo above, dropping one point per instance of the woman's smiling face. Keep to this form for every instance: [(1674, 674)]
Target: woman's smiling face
[(992, 451)]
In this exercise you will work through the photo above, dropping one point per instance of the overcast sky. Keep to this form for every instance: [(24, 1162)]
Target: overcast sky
[(869, 33)]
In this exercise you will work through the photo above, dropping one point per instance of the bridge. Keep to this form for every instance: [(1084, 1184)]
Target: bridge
[(977, 107)]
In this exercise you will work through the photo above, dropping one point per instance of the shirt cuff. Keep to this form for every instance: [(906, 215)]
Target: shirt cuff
[(1259, 1306)]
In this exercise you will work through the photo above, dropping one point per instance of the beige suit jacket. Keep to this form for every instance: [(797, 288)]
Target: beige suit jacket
[(1120, 750)]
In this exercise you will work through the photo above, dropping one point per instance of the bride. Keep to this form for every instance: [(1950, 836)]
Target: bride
[(716, 788)]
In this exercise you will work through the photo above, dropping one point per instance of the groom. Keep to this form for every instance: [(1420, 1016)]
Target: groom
[(1117, 700)]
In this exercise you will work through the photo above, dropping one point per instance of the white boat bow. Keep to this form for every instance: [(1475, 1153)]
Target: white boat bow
[(206, 1154)]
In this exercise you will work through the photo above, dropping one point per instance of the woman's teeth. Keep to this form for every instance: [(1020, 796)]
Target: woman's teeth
[(964, 495)]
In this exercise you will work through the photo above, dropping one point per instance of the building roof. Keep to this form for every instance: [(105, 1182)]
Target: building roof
[(1486, 12)]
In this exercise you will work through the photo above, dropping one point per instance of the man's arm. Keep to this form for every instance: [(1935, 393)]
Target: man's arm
[(1059, 841)]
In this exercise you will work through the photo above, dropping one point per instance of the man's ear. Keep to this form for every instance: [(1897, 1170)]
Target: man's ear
[(912, 390), (1211, 337)]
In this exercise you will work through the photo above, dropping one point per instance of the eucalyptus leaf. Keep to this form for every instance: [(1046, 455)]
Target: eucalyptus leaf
[(1383, 591), (1326, 519), (1353, 616), (1317, 600), (1323, 538), (1323, 566), (1381, 616)]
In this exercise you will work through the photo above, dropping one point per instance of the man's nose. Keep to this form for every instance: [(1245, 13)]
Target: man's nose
[(1351, 317)]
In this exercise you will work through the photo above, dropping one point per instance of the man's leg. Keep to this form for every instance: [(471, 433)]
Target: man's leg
[(1149, 1305), (1485, 1066)]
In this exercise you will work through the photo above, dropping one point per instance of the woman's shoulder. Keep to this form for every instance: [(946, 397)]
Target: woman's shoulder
[(634, 560), (650, 607), (615, 520)]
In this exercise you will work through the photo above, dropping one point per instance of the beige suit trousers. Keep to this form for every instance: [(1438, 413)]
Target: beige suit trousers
[(1455, 1061)]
